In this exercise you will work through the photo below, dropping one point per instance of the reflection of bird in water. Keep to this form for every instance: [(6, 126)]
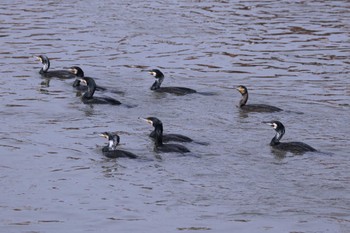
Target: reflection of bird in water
[(44, 71), (293, 147), (79, 73), (168, 137), (110, 151), (253, 107), (88, 96), (159, 146), (173, 90)]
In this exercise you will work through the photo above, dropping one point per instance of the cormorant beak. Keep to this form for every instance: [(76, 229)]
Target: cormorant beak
[(73, 71), (104, 135), (148, 121), (38, 58), (152, 73), (273, 125), (240, 89)]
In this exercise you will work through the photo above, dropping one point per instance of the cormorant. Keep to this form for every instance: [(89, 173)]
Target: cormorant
[(168, 137), (174, 90), (44, 71), (110, 151), (159, 146), (88, 96), (253, 107), (293, 147)]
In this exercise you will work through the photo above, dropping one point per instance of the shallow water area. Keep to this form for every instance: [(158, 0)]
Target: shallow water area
[(292, 55)]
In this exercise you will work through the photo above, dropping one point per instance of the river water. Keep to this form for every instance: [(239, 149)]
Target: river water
[(290, 54)]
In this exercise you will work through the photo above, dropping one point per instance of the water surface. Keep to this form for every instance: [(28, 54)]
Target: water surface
[(293, 55)]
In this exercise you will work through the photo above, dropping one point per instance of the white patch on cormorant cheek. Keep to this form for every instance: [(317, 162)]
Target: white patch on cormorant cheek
[(274, 125)]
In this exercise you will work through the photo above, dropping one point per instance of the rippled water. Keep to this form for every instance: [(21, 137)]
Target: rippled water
[(290, 54)]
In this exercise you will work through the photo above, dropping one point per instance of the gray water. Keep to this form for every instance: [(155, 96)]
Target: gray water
[(290, 54)]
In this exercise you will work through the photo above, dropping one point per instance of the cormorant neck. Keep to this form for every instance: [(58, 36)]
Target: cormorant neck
[(113, 141), (157, 83), (276, 139), (153, 134), (76, 83), (91, 85), (244, 99), (158, 131), (112, 144), (45, 68)]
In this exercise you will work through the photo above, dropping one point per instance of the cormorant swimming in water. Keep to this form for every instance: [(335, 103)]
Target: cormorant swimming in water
[(168, 137), (293, 147), (158, 141), (44, 71), (88, 96), (253, 107), (110, 151), (174, 90), (79, 73)]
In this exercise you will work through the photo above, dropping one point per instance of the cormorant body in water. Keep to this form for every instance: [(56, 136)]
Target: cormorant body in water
[(159, 146), (253, 107), (44, 71), (88, 96), (110, 151), (79, 73), (173, 90), (293, 147)]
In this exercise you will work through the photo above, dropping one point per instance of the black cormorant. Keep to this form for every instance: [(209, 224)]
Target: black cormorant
[(253, 107), (44, 71), (168, 137), (293, 147), (88, 96), (174, 90), (110, 151), (158, 140)]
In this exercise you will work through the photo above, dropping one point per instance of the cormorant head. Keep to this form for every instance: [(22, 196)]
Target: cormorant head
[(113, 139), (76, 70), (152, 121), (88, 81), (277, 125), (83, 81), (44, 61), (91, 84), (279, 128), (156, 73), (242, 89)]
